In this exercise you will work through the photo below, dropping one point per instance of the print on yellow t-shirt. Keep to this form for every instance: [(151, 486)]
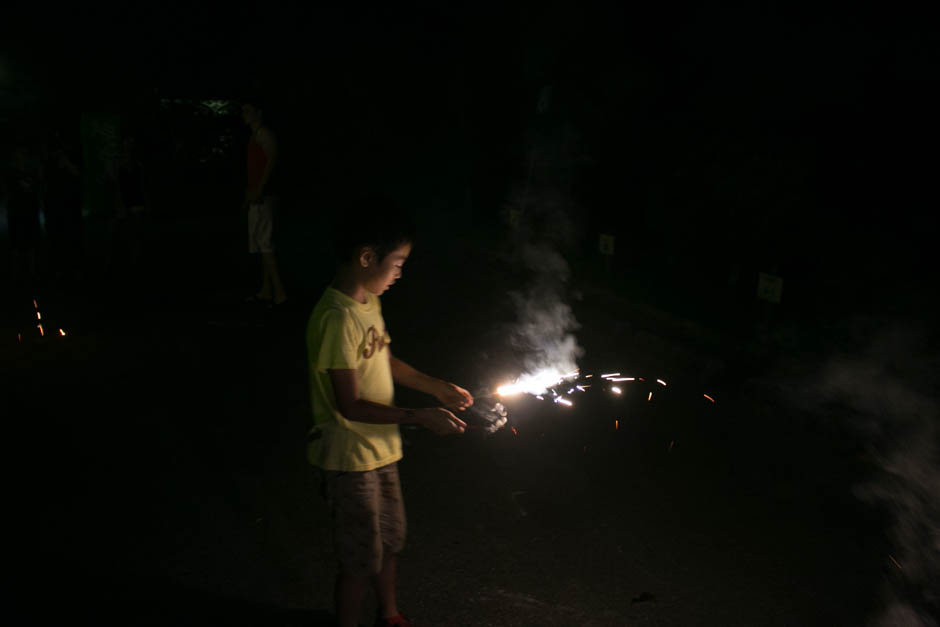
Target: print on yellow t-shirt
[(344, 334)]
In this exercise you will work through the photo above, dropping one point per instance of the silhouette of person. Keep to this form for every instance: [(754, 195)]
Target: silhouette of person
[(260, 202)]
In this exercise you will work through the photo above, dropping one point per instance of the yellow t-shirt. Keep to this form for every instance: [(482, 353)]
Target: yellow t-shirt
[(345, 334)]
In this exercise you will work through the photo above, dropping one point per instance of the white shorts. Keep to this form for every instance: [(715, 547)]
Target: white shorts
[(261, 226)]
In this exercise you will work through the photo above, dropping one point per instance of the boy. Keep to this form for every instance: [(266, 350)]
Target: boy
[(356, 440)]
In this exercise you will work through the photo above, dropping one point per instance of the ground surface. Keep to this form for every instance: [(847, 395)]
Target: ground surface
[(157, 474)]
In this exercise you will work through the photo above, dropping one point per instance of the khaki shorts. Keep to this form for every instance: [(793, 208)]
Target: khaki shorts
[(261, 226), (368, 518)]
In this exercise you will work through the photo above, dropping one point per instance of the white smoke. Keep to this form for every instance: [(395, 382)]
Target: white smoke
[(544, 332), (887, 387)]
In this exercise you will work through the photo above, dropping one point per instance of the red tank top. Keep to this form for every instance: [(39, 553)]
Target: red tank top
[(257, 162)]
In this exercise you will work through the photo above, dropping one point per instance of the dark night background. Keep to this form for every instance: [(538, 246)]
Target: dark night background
[(714, 143)]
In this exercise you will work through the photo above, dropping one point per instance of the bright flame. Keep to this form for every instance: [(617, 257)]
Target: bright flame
[(616, 390), (661, 382), (535, 383)]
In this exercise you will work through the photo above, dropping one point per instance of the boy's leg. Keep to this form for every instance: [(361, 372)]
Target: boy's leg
[(384, 586), (347, 599), (393, 527), (357, 539)]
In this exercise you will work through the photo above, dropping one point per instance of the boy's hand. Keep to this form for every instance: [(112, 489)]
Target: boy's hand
[(453, 396), (440, 421)]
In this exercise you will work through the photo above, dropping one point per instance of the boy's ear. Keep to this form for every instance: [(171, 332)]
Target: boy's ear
[(367, 256)]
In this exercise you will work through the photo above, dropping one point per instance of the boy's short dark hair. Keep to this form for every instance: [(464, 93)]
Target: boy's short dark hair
[(374, 220)]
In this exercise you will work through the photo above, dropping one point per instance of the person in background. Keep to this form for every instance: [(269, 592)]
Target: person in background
[(129, 210), (260, 203)]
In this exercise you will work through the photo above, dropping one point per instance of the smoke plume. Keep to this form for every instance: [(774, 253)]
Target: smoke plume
[(888, 387)]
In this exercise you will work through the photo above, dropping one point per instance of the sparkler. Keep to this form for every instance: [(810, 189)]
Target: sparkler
[(535, 383), (895, 562), (540, 384)]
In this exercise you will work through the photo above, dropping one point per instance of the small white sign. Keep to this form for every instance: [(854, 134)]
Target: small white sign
[(770, 288), (606, 244)]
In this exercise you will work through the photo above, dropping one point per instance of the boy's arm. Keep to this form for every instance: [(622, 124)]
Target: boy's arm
[(450, 395), (346, 391)]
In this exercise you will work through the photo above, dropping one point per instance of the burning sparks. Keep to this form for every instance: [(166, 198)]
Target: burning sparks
[(41, 332), (650, 397), (708, 397), (895, 562), (671, 444), (564, 401), (536, 383), (616, 425), (514, 432), (38, 316), (661, 382), (616, 390), (61, 332), (35, 305), (19, 337), (620, 378), (610, 374)]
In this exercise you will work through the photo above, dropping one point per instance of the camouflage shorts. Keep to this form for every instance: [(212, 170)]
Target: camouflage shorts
[(368, 517)]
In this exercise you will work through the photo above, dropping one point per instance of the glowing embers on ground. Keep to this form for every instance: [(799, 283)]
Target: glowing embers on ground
[(39, 326)]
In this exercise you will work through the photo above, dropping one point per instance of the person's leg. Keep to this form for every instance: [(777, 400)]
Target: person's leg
[(393, 525), (384, 586), (348, 595), (356, 537), (265, 292), (272, 288)]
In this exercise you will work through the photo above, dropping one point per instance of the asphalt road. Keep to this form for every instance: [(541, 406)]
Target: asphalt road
[(155, 460)]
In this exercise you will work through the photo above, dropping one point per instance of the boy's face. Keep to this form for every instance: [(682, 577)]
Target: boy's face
[(379, 276)]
